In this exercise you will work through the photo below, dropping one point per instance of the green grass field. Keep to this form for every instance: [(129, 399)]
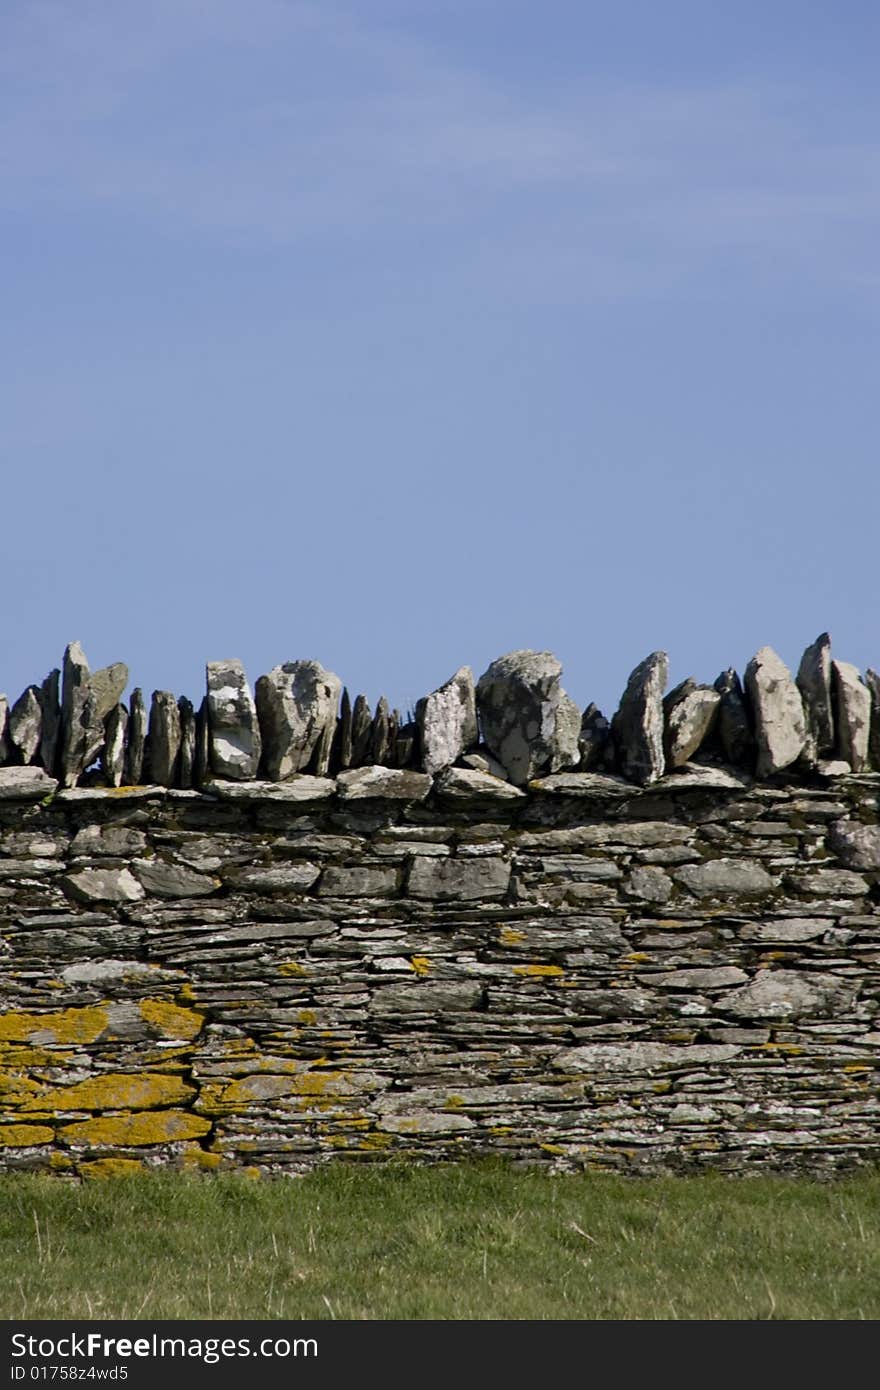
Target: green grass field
[(471, 1241)]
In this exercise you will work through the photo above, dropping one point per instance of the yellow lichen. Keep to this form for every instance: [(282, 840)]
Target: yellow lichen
[(509, 936), (146, 1127), (291, 967), (115, 1091), (24, 1136), (170, 1021), (420, 964), (111, 1168), (539, 971), (66, 1026), (307, 1017)]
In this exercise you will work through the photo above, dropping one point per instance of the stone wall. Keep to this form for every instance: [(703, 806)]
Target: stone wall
[(578, 971)]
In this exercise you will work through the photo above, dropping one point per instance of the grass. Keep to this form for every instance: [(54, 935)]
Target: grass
[(470, 1241)]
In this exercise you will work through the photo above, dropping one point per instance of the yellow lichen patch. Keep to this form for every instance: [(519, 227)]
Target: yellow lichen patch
[(420, 964), (453, 1102), (552, 1148), (24, 1136), (115, 1091), (66, 1026), (111, 1168), (509, 936), (195, 1157), (17, 1090), (375, 1141), (23, 1057), (859, 1066), (186, 994), (791, 1049), (148, 1127), (60, 1162), (169, 1020), (539, 971), (638, 957), (291, 967), (307, 1017)]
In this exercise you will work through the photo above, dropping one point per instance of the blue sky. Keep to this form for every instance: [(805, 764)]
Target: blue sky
[(399, 334)]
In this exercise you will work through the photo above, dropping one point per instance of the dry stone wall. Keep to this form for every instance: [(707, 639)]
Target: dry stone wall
[(584, 973), (644, 943)]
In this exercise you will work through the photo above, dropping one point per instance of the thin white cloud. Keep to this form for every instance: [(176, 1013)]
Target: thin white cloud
[(278, 123)]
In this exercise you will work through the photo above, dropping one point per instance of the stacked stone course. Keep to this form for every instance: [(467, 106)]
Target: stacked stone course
[(580, 942)]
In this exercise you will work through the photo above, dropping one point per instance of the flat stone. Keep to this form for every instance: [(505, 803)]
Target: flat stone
[(784, 994), (830, 883), (638, 724), (853, 701), (26, 724), (173, 880), (723, 877), (447, 721), (467, 785), (297, 704), (301, 787), (833, 767), (814, 683), (117, 841), (649, 884), (734, 727), (113, 752), (382, 783), (702, 777), (780, 724), (50, 704), (481, 760), (164, 734), (643, 1056), (721, 977), (856, 846), (591, 784), (872, 681), (73, 795), (232, 722), (528, 721), (25, 784), (690, 711), (458, 880), (429, 997), (287, 878), (103, 885), (358, 882), (137, 734)]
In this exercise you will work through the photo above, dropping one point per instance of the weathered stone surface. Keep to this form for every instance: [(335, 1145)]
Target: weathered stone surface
[(720, 977), (25, 784), (594, 740), (857, 846), (297, 704), (527, 720), (690, 711), (701, 777), (814, 683), (872, 680), (358, 881), (458, 879), (361, 731), (784, 994), (164, 735), (113, 752), (830, 883), (343, 735), (780, 726), (723, 877), (173, 880), (447, 721), (385, 783), (50, 705), (114, 840), (137, 734), (853, 701), (232, 722), (643, 1056), (587, 784), (302, 787), (26, 724), (428, 997), (76, 714), (287, 878), (466, 784), (638, 724), (650, 884), (481, 760), (380, 734), (734, 726), (5, 745), (104, 885), (186, 765)]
